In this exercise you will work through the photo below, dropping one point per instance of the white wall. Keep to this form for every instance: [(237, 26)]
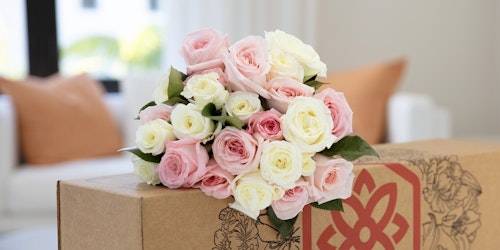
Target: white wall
[(13, 39), (452, 46)]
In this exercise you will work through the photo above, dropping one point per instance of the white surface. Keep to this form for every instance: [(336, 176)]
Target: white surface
[(39, 238), (40, 194)]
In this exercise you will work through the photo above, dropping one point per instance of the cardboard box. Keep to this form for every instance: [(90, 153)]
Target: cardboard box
[(438, 194)]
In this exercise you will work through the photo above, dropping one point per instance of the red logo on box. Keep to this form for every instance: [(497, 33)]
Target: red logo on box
[(368, 230)]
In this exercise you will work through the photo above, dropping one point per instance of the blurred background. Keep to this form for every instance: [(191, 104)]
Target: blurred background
[(452, 46)]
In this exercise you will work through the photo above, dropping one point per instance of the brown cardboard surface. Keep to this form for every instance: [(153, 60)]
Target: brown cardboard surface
[(422, 195)]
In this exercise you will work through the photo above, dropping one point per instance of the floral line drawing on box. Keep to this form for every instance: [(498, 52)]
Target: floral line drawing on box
[(238, 231), (451, 194)]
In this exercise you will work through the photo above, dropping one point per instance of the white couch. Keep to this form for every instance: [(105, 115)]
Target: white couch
[(28, 194)]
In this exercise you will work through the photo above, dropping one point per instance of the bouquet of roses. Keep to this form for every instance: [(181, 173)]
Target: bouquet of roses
[(245, 121)]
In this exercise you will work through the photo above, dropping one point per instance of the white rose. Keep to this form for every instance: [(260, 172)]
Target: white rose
[(243, 104), (308, 124), (188, 122), (206, 88), (305, 54), (281, 163), (284, 64), (160, 93), (308, 164), (252, 193), (311, 62), (151, 137), (145, 171)]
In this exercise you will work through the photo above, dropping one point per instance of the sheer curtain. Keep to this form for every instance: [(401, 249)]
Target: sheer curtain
[(237, 19)]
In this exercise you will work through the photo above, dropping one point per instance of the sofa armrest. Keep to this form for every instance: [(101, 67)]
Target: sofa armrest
[(8, 145), (415, 116), (8, 132)]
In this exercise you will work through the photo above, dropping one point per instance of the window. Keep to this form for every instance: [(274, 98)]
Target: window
[(110, 39), (153, 5), (13, 41), (88, 4), (104, 38)]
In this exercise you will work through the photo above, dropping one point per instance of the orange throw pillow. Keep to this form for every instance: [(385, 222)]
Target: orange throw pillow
[(62, 118), (368, 90)]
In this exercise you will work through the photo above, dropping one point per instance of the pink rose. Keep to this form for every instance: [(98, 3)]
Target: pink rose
[(266, 125), (204, 49), (216, 182), (160, 111), (292, 202), (340, 111), (247, 65), (236, 151), (283, 90), (332, 179), (183, 164)]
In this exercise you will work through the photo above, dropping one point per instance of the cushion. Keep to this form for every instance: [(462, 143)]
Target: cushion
[(62, 118), (368, 90)]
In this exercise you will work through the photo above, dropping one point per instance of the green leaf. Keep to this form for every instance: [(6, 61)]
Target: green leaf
[(330, 205), (315, 84), (144, 156), (175, 83), (309, 78), (350, 148), (174, 100), (284, 227), (149, 104), (211, 112)]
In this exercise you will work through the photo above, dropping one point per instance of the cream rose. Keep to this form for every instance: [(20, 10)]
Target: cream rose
[(188, 122), (308, 124), (252, 193), (152, 136), (284, 64), (243, 105), (160, 93), (204, 89), (145, 171), (305, 54), (281, 163), (308, 164)]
